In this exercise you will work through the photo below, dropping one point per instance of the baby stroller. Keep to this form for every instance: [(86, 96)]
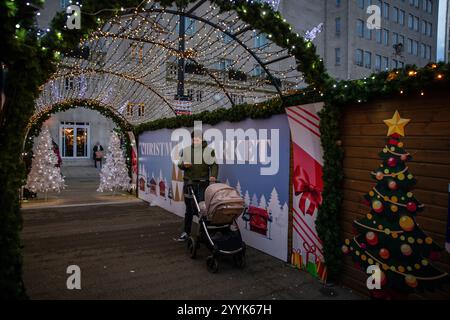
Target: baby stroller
[(216, 225)]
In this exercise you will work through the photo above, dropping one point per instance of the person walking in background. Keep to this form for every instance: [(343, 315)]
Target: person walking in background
[(98, 154)]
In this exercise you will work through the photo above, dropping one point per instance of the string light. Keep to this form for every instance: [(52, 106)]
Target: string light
[(157, 31)]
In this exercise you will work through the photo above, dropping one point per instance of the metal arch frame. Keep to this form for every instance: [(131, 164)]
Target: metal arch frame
[(165, 46), (49, 107), (231, 35), (81, 71)]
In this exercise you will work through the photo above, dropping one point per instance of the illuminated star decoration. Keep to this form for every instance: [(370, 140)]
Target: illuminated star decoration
[(396, 124)]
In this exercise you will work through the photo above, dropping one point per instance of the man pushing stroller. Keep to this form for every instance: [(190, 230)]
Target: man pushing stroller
[(200, 168)]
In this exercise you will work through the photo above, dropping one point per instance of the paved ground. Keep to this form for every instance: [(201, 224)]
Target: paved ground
[(127, 251)]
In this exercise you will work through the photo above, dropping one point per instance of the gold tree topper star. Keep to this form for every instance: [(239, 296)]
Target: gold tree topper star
[(396, 124)]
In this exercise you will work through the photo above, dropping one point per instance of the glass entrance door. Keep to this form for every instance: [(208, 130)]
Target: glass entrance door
[(74, 138)]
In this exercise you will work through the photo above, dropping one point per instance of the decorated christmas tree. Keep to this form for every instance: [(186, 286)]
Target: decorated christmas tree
[(114, 175), (389, 236), (45, 176)]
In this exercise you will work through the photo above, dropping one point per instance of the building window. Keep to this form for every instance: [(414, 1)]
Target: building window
[(360, 28), (337, 54), (367, 33), (189, 26), (423, 51), (423, 27), (401, 17), (199, 95), (394, 38), (395, 14), (136, 54), (429, 52), (224, 64), (359, 57), (385, 65), (130, 110), (141, 110), (338, 3), (338, 26), (409, 46), (226, 38), (416, 24), (429, 6), (258, 71), (415, 48), (386, 7), (69, 83), (367, 59), (361, 4), (377, 62), (429, 29), (378, 35), (411, 21), (385, 37), (64, 4), (260, 40)]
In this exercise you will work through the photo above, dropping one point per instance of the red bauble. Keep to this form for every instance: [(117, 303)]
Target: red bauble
[(393, 142), (372, 238), (392, 162), (384, 253), (411, 206), (377, 206), (363, 246), (392, 185)]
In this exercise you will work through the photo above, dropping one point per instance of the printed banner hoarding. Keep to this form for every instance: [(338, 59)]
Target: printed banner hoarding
[(264, 186), (307, 186)]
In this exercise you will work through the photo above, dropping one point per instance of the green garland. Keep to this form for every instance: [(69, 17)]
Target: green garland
[(28, 67)]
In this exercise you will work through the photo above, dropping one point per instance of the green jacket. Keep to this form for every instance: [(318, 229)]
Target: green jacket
[(207, 168)]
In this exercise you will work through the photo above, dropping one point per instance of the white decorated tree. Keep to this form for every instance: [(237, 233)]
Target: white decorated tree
[(114, 175), (44, 176)]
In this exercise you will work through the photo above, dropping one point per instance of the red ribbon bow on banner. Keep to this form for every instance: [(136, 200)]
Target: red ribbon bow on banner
[(303, 186)]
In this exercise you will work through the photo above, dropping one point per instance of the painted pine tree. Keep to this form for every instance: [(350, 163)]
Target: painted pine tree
[(389, 236)]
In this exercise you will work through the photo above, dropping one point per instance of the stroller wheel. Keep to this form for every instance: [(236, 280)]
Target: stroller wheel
[(239, 260), (192, 247), (212, 264)]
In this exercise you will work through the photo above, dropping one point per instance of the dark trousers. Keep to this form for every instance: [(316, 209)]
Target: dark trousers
[(191, 209), (99, 160)]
